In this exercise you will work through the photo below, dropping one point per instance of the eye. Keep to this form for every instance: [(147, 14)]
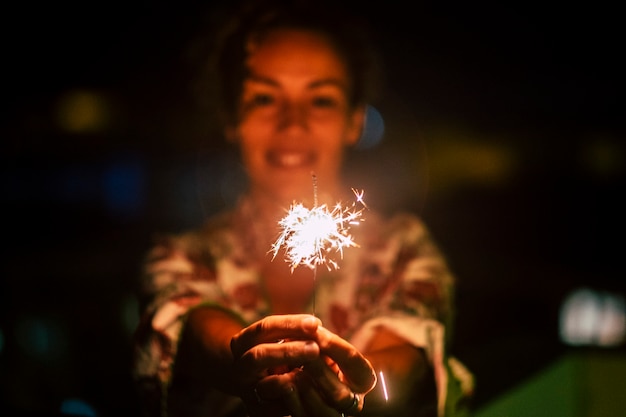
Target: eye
[(324, 102), (261, 100)]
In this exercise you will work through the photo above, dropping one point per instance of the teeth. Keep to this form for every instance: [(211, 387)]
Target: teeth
[(289, 159), (292, 159)]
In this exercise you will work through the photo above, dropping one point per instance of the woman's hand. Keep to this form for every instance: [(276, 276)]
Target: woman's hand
[(267, 357), (322, 388), (280, 369), (354, 369), (335, 384), (332, 385)]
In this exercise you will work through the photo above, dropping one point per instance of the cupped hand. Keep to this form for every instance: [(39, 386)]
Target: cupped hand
[(335, 384), (323, 391), (264, 355), (312, 390), (352, 367), (290, 364)]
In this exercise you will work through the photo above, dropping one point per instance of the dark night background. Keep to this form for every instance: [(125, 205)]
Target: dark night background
[(504, 132)]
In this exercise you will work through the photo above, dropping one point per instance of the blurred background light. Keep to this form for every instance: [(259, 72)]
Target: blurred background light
[(604, 156), (42, 338), (123, 183), (373, 131), (77, 407), (82, 112), (593, 318), (455, 159)]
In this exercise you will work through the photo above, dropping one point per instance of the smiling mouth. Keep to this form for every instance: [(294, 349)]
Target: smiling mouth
[(290, 159)]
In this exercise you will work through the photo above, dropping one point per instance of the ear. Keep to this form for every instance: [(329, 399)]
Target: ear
[(356, 122)]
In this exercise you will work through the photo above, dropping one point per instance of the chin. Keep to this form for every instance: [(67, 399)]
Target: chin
[(288, 185), (294, 188), (297, 193)]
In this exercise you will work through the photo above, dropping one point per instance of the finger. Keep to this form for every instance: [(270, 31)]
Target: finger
[(277, 393), (293, 405), (272, 328), (275, 387), (268, 396), (354, 405), (292, 401), (311, 399), (259, 361), (335, 392), (356, 369)]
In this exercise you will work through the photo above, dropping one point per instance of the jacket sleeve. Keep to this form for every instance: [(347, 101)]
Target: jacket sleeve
[(416, 304), (172, 283)]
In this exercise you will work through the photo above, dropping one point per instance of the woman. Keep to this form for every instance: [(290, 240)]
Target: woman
[(223, 331)]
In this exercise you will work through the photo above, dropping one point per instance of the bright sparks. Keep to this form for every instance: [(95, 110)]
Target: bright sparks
[(384, 385), (312, 236)]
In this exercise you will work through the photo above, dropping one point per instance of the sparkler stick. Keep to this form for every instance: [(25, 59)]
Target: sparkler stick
[(314, 178), (310, 237)]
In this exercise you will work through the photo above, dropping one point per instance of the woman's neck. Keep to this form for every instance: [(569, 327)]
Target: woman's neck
[(288, 292)]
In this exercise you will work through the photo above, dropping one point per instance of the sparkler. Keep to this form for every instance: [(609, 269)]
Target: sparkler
[(311, 237), (384, 385)]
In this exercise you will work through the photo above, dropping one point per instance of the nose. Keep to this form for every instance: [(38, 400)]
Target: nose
[(292, 117)]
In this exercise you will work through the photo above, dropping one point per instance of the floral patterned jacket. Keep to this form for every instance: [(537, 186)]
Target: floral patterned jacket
[(396, 278)]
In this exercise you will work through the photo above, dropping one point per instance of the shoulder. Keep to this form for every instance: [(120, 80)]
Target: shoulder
[(190, 256), (184, 251)]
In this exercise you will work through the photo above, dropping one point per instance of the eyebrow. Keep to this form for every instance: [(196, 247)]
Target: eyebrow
[(315, 84), (262, 80), (327, 81)]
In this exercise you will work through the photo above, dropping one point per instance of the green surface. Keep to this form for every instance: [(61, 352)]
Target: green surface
[(580, 384)]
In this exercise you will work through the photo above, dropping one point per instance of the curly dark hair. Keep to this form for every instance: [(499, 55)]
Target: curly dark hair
[(347, 30)]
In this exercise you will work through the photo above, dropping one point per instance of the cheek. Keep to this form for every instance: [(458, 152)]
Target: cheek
[(330, 155), (252, 137), (335, 131)]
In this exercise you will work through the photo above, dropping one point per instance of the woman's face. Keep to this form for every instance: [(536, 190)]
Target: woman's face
[(294, 115)]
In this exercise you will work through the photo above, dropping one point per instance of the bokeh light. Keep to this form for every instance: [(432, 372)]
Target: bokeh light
[(82, 112), (593, 318), (373, 131), (42, 338), (77, 407)]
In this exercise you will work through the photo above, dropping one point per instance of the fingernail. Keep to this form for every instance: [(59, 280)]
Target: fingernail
[(310, 323)]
